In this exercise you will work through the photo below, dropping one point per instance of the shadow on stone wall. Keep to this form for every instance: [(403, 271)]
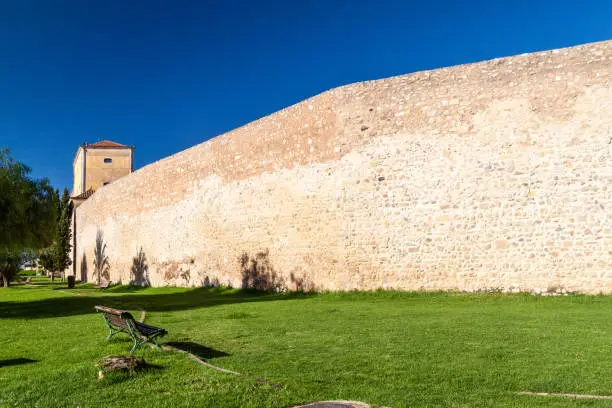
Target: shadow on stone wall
[(186, 276), (100, 261), (301, 284), (211, 283), (257, 273), (84, 268), (139, 272), (174, 271)]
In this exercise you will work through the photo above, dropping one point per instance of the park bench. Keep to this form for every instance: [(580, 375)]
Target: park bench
[(103, 285), (121, 321)]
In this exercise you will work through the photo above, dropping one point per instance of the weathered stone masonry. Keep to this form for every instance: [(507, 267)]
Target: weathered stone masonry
[(489, 175)]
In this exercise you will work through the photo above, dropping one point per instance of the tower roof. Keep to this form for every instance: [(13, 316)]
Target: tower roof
[(107, 143), (83, 196)]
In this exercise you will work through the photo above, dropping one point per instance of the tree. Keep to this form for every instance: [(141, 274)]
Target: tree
[(9, 266), (28, 214), (61, 246), (46, 258), (56, 257), (28, 207)]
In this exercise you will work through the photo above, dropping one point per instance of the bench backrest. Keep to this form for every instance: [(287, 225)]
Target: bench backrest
[(117, 317), (124, 320)]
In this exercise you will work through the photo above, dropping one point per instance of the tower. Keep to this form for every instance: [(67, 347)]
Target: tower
[(98, 164)]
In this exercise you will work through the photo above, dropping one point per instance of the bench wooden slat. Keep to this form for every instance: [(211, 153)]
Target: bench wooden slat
[(146, 329), (124, 314), (109, 310), (117, 321)]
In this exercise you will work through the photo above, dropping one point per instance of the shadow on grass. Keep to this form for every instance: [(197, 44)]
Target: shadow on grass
[(198, 350), (122, 297), (91, 288), (16, 361), (125, 289)]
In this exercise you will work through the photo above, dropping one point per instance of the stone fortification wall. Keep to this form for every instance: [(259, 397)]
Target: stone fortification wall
[(495, 175)]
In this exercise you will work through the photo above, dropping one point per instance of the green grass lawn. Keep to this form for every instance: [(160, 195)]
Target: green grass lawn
[(384, 348)]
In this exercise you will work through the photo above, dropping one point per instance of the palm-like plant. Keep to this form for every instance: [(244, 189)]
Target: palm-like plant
[(100, 261)]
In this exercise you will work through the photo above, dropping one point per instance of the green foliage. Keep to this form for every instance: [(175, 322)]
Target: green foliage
[(28, 215), (46, 258), (28, 207), (26, 273), (56, 257), (63, 234)]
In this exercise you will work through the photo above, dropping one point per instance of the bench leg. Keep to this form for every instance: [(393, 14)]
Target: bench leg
[(111, 334), (155, 343), (137, 343), (111, 330)]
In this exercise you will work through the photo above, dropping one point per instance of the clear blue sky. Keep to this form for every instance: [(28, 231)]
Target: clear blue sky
[(167, 75)]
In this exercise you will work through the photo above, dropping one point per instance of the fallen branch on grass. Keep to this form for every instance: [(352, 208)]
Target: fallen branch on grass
[(198, 360), (223, 370), (551, 394)]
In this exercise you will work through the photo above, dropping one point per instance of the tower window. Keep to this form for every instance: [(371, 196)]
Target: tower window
[(108, 160)]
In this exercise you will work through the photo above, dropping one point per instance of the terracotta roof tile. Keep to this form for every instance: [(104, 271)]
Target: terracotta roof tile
[(106, 143), (83, 196)]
